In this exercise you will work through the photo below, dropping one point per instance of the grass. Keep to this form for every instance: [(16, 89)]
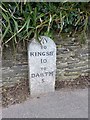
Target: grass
[(22, 21)]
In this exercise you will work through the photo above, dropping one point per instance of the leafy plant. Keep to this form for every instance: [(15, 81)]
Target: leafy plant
[(22, 21)]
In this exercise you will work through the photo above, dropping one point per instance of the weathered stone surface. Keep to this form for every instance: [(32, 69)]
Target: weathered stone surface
[(42, 66), (71, 57)]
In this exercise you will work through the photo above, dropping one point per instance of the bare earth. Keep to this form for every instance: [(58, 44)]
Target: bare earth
[(20, 91)]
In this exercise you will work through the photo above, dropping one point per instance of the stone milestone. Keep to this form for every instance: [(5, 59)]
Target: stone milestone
[(42, 66)]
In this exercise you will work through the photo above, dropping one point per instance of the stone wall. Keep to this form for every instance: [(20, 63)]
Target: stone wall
[(14, 65), (0, 77), (72, 61)]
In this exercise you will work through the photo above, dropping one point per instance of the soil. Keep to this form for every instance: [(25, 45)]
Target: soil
[(20, 91)]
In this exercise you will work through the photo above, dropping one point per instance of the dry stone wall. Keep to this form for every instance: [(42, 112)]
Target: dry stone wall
[(14, 65), (72, 61)]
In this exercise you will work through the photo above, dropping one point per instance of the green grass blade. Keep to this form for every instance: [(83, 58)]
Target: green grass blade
[(16, 33), (6, 31)]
